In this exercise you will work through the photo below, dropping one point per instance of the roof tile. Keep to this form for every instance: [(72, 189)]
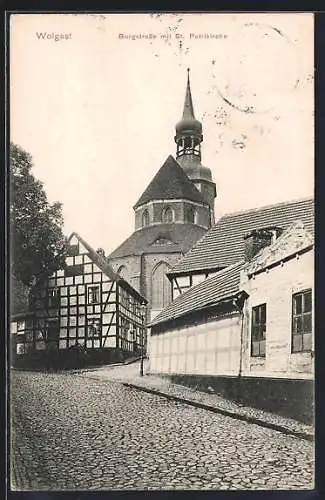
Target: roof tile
[(223, 244), (179, 238), (224, 284), (170, 182)]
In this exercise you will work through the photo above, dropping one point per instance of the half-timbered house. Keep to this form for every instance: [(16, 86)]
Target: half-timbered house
[(85, 304)]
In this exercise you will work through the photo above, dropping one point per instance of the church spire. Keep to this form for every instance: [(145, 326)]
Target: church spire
[(188, 113), (189, 130), (188, 139)]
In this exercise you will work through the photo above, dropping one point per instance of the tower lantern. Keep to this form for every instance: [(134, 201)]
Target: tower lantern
[(189, 130)]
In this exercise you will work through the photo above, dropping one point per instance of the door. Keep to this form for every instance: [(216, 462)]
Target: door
[(53, 335)]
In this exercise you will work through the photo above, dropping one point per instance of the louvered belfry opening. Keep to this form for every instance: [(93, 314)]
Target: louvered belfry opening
[(188, 130)]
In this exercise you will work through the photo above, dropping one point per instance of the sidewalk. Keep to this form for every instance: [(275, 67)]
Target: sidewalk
[(129, 376)]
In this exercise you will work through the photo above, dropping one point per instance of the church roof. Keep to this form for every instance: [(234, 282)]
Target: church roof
[(224, 285), (170, 182), (223, 244), (164, 238)]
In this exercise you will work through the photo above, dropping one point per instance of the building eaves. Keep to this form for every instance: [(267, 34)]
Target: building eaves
[(170, 183), (105, 267), (223, 244), (221, 286)]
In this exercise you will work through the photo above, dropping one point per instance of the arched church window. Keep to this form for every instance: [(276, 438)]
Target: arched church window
[(168, 215), (145, 218), (161, 292)]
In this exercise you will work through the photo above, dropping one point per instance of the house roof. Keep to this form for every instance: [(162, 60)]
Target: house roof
[(105, 267), (170, 182), (293, 241), (224, 285), (223, 244), (166, 238)]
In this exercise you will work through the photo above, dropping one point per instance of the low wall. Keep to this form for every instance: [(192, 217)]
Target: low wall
[(66, 359), (291, 398)]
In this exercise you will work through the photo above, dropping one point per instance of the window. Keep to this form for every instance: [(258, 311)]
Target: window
[(258, 330), (20, 327), (54, 297), (302, 322), (145, 218), (93, 294), (20, 349), (167, 215), (93, 327), (161, 240), (190, 215)]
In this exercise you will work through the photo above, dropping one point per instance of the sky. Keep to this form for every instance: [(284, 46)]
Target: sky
[(97, 108)]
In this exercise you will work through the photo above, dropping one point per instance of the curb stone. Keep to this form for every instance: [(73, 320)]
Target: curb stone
[(215, 409)]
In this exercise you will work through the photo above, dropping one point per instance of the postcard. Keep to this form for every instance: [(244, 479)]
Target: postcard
[(162, 251)]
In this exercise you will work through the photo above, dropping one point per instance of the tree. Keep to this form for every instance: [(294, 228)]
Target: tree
[(37, 241)]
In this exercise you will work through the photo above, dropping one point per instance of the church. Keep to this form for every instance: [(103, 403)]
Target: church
[(172, 214), (202, 287)]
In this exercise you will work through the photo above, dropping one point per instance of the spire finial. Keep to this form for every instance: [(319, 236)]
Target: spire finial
[(188, 112)]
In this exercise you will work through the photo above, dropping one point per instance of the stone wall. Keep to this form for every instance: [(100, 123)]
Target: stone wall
[(291, 398), (275, 287), (132, 271), (180, 209)]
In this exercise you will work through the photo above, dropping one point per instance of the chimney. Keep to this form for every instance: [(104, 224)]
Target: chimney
[(101, 252), (255, 240)]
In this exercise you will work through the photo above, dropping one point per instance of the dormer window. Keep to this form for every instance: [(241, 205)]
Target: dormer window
[(168, 216), (162, 239), (145, 218)]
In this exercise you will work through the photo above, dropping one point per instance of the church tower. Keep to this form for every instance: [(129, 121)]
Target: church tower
[(188, 153), (173, 212)]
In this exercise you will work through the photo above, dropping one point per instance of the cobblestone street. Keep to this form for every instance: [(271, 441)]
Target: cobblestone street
[(75, 432)]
